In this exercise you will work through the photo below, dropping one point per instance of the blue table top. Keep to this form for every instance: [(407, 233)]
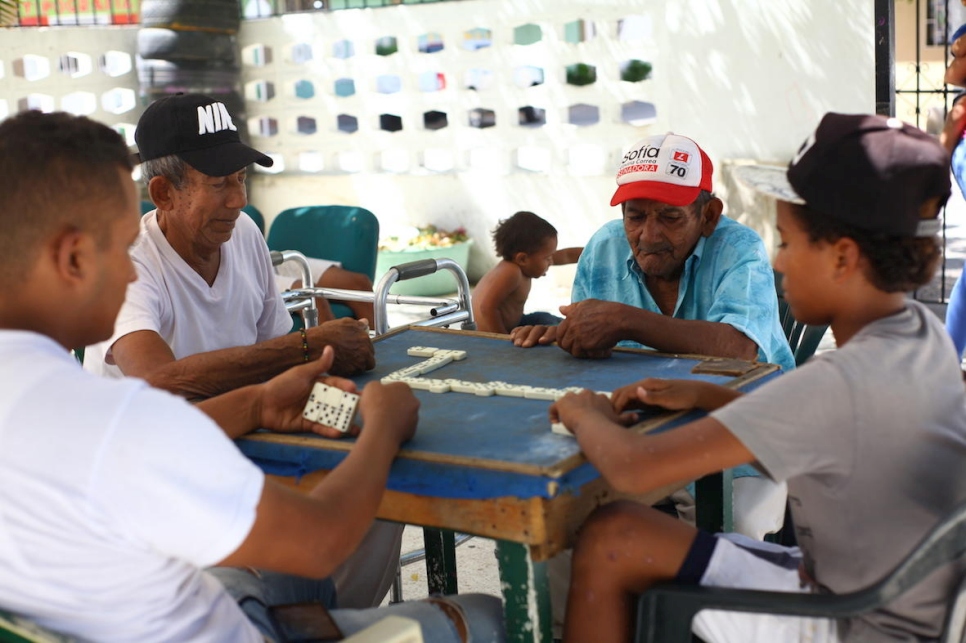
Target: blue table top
[(467, 446)]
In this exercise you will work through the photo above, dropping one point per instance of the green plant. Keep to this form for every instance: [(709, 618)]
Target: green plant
[(635, 71), (425, 237), (581, 74)]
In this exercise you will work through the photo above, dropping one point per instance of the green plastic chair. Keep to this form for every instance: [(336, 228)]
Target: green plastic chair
[(335, 232), (665, 612), (803, 339), (17, 629), (257, 217)]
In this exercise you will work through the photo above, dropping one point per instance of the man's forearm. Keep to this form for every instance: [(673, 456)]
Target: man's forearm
[(236, 412), (208, 374), (672, 335)]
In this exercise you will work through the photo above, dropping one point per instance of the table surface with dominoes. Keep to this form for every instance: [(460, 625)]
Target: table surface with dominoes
[(485, 459)]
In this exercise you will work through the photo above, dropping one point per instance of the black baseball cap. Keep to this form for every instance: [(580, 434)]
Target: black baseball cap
[(872, 172), (199, 130)]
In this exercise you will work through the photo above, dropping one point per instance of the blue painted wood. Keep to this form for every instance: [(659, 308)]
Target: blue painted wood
[(504, 445)]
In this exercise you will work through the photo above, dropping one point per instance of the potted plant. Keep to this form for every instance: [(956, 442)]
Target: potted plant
[(425, 242)]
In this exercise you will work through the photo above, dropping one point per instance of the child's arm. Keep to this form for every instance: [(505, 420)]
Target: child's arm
[(566, 255), (490, 295), (635, 463), (672, 394)]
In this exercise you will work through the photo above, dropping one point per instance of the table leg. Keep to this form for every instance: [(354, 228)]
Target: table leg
[(713, 502), (440, 547), (526, 594)]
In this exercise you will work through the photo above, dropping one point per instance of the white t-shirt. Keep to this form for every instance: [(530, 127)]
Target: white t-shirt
[(113, 496), (242, 307), (872, 441)]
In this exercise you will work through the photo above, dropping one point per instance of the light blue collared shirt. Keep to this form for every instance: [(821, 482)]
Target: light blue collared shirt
[(728, 279)]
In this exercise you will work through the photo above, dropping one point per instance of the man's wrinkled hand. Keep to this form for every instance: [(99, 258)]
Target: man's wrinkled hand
[(589, 329), (349, 338)]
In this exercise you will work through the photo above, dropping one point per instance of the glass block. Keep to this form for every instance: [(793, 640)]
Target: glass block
[(431, 81), (482, 118), (638, 113), (438, 160), (345, 87), (583, 115), (635, 28), (343, 49), (75, 65), (390, 122), (534, 158), (118, 100), (528, 76), (386, 46), (435, 120), (347, 123), (429, 43), (350, 161), (304, 89), (305, 125), (301, 53), (579, 31), (477, 38), (581, 74), (530, 116), (311, 161), (634, 71), (478, 79), (41, 102), (388, 84), (31, 67), (115, 63), (527, 34)]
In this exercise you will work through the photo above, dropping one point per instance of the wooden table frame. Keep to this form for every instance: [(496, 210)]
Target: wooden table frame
[(528, 530)]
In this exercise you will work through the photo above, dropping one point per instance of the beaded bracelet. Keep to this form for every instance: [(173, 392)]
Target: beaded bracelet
[(305, 345)]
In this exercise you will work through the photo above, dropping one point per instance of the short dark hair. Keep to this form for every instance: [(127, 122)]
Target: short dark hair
[(522, 232), (54, 169), (895, 264)]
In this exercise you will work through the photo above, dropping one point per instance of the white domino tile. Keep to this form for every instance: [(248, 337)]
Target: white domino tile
[(422, 351), (331, 406), (560, 429)]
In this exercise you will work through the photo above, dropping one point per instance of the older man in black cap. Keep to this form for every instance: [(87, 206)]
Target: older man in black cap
[(205, 316)]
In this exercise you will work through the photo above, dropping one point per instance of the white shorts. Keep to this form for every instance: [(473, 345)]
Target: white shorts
[(288, 273), (740, 562)]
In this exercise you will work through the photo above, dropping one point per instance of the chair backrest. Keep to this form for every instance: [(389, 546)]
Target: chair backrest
[(335, 232), (803, 339), (146, 206), (17, 629), (257, 217)]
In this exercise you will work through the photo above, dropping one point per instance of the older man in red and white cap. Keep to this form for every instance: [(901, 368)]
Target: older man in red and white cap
[(674, 274)]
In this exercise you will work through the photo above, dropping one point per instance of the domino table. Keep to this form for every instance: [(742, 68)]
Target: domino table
[(489, 465)]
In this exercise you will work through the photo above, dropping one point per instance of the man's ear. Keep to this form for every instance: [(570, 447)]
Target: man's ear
[(73, 251), (161, 191), (710, 216)]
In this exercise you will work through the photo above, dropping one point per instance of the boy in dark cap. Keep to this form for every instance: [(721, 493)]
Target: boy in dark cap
[(871, 438)]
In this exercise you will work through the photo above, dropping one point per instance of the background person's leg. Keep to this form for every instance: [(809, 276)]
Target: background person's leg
[(336, 277), (256, 591), (364, 579), (480, 614), (540, 319)]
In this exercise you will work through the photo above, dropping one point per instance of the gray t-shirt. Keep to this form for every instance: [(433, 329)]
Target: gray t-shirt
[(871, 439)]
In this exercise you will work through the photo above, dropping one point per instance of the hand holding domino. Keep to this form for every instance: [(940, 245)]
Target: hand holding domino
[(331, 406)]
